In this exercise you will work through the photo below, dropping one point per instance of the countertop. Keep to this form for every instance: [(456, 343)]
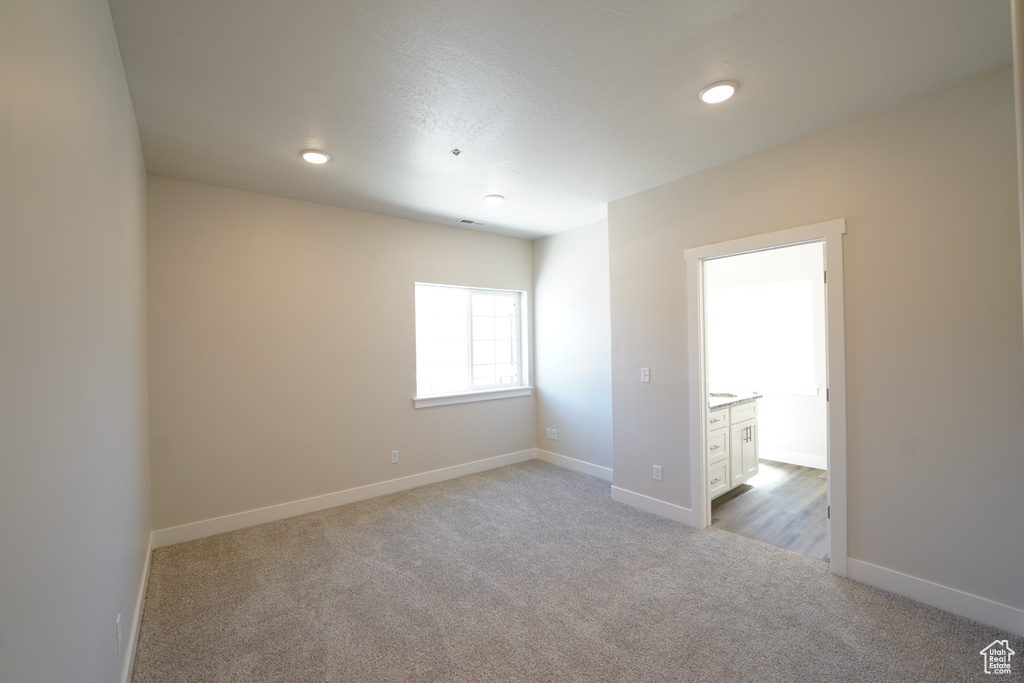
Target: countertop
[(716, 401)]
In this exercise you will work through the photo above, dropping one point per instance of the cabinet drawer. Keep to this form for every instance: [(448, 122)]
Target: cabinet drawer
[(744, 411), (718, 445), (718, 419), (718, 478)]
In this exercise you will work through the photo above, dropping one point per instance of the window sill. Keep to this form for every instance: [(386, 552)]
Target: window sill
[(470, 397)]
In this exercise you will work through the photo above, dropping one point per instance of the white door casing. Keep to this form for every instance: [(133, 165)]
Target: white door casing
[(830, 233)]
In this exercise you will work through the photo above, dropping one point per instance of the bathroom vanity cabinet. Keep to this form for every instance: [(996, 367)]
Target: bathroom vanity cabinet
[(731, 442)]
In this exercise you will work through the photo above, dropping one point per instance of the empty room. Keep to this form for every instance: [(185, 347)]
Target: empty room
[(438, 340)]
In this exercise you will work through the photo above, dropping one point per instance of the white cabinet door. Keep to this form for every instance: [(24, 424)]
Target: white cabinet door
[(736, 434), (748, 449), (742, 451)]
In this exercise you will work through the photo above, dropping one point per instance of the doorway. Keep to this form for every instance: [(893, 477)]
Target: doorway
[(765, 365), (829, 236)]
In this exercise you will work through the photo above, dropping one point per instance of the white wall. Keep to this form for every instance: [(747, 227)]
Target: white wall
[(74, 489), (1017, 20), (282, 350), (792, 419), (935, 372), (573, 337)]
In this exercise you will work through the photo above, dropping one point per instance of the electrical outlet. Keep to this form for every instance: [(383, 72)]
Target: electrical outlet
[(657, 473), (117, 629), (645, 375), (549, 432), (394, 457), (554, 435)]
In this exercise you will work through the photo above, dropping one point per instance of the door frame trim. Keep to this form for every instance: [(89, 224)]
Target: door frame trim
[(830, 233)]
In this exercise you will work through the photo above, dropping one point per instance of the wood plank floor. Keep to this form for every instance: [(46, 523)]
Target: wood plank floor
[(784, 505)]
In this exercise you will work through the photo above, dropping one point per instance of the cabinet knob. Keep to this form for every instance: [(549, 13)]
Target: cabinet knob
[(715, 481)]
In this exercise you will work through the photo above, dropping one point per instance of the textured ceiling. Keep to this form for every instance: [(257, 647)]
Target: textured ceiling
[(560, 105)]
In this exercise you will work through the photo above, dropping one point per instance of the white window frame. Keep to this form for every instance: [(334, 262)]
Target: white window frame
[(520, 351)]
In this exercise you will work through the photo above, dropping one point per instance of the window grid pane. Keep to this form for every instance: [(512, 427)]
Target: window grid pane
[(466, 339), (494, 325), (441, 345)]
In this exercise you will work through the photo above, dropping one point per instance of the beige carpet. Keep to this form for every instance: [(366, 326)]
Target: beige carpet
[(526, 573)]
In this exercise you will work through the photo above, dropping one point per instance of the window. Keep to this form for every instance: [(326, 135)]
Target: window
[(762, 337), (468, 341)]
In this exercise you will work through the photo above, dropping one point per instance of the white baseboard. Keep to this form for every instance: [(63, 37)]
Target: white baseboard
[(575, 465), (136, 622), (241, 520), (653, 505), (819, 462), (979, 609)]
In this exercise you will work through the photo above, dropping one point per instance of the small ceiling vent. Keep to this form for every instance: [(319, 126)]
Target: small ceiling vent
[(466, 221)]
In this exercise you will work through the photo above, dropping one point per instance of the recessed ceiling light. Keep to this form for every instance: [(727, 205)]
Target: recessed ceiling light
[(494, 199), (718, 92), (315, 157)]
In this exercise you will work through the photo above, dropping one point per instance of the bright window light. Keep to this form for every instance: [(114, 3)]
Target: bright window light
[(467, 339), (761, 337)]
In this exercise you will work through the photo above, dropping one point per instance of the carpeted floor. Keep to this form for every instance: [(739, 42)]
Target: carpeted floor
[(526, 573)]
